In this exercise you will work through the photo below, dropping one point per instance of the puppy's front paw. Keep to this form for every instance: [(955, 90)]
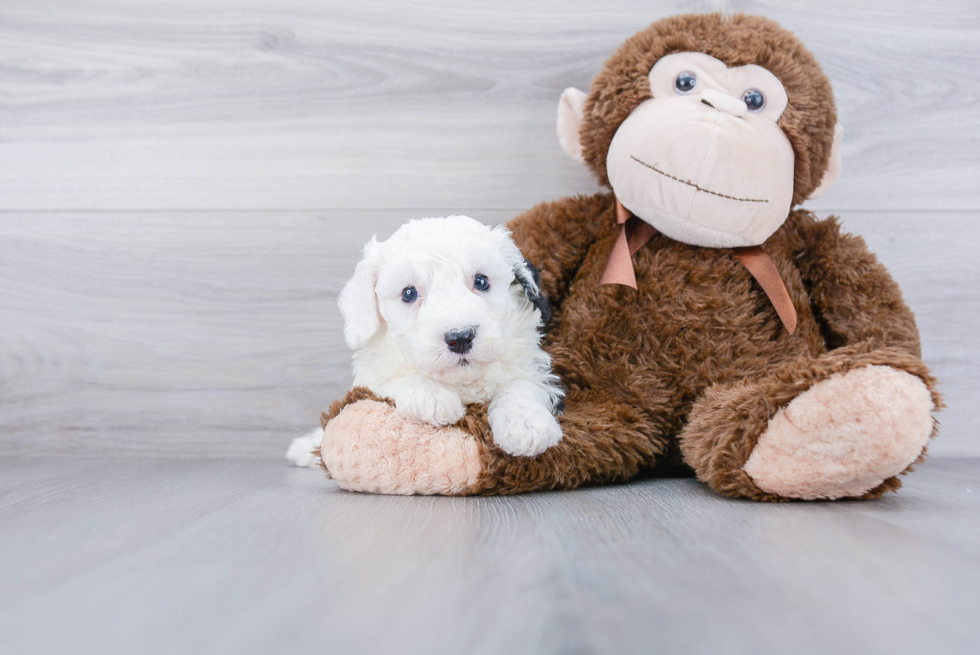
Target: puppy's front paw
[(523, 427), (431, 403)]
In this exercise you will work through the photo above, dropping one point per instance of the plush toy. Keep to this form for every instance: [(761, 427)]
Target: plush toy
[(700, 318)]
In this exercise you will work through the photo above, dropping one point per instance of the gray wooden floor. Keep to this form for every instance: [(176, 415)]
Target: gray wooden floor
[(248, 556)]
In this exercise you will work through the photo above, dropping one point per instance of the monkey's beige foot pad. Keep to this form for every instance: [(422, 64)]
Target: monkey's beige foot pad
[(370, 447), (844, 436)]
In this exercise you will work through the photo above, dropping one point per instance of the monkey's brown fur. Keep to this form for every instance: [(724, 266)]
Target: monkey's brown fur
[(694, 365)]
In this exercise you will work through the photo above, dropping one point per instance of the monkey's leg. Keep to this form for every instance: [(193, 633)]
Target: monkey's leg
[(368, 446), (845, 424)]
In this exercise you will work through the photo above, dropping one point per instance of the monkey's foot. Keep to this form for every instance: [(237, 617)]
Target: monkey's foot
[(368, 446), (844, 436)]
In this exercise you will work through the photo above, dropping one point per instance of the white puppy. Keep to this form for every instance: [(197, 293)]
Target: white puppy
[(445, 313)]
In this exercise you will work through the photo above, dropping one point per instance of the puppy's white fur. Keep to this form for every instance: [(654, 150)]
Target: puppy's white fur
[(400, 350)]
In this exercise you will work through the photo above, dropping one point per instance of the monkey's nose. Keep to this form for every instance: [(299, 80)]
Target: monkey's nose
[(460, 341), (724, 102)]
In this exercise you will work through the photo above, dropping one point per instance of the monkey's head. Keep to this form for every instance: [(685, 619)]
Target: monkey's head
[(709, 128)]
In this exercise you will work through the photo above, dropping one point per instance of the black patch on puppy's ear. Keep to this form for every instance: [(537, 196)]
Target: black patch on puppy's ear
[(529, 278)]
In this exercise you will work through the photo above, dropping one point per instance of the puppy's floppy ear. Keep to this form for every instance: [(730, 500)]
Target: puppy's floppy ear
[(530, 279), (525, 273), (358, 301)]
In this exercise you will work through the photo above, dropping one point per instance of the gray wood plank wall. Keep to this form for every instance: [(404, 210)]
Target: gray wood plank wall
[(184, 187)]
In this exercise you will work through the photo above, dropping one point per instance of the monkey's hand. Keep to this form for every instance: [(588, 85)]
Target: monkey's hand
[(369, 446)]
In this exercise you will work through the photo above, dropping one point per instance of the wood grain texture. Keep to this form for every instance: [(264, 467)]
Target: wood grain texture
[(107, 105), (220, 164), (164, 556), (217, 334), (184, 188)]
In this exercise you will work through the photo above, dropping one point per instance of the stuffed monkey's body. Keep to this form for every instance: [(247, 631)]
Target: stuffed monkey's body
[(694, 365)]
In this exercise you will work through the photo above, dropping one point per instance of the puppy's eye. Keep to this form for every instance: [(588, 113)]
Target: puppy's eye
[(754, 99), (481, 283), (685, 82), (409, 294)]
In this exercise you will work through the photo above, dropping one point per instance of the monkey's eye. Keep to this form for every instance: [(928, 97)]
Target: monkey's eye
[(410, 295), (685, 82), (754, 99), (481, 283)]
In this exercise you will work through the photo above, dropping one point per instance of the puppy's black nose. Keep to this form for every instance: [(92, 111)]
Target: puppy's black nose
[(460, 341)]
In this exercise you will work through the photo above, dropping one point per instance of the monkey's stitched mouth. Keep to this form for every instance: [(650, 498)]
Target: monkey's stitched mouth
[(689, 183)]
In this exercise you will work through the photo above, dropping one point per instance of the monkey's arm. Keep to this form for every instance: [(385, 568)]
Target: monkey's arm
[(369, 446), (855, 299), (555, 236)]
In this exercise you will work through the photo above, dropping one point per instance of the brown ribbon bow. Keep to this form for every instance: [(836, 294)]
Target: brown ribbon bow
[(636, 233)]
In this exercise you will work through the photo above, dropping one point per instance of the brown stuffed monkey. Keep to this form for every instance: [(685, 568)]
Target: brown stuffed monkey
[(700, 318)]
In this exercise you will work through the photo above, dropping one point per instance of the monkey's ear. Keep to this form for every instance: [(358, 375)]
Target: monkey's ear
[(571, 109), (358, 301), (833, 166)]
